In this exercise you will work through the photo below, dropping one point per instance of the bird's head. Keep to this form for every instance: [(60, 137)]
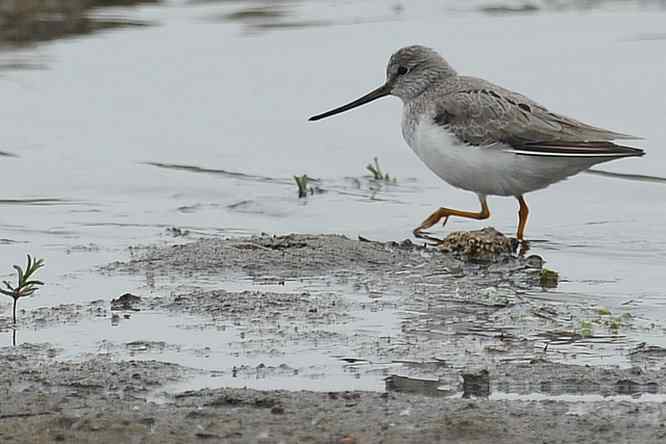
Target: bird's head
[(409, 72)]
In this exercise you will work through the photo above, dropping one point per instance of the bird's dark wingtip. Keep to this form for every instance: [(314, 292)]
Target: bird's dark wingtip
[(632, 152)]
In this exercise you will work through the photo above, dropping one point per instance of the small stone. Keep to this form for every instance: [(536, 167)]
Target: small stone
[(534, 261), (476, 384), (127, 301)]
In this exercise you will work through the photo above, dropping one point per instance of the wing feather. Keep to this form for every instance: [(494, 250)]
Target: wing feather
[(486, 114), (576, 149)]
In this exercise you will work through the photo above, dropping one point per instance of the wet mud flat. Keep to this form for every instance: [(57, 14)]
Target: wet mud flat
[(479, 353), (105, 401)]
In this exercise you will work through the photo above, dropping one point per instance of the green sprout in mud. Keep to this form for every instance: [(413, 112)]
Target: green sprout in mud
[(603, 311), (604, 319), (304, 188), (302, 183), (586, 329), (615, 324), (25, 285), (378, 174)]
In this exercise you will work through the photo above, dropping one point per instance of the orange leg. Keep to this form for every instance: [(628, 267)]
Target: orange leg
[(444, 213), (522, 217)]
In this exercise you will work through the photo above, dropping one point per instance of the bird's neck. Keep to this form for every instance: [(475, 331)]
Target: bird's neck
[(429, 79)]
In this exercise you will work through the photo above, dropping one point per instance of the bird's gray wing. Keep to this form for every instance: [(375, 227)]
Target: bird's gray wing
[(487, 115)]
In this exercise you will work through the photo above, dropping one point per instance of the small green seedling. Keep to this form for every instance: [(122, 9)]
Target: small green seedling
[(304, 188), (378, 174), (614, 325), (585, 329), (302, 183), (25, 286)]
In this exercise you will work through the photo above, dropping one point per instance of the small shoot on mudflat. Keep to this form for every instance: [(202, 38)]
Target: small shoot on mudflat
[(25, 285), (304, 187), (378, 174)]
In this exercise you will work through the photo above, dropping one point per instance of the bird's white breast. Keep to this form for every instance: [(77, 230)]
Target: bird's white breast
[(487, 170)]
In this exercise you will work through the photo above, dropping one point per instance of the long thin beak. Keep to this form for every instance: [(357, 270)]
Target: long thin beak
[(382, 91)]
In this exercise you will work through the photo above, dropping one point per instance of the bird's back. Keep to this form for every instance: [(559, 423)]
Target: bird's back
[(480, 112)]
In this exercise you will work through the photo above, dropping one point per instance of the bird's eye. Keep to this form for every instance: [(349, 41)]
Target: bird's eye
[(402, 70)]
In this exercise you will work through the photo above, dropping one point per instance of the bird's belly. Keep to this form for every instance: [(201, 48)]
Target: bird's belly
[(488, 170)]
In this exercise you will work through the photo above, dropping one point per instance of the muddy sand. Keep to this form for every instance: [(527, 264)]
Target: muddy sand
[(481, 352)]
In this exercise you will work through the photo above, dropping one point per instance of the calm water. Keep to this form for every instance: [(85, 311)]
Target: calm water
[(86, 119)]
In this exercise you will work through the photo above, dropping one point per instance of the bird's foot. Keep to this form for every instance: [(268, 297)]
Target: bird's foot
[(521, 247), (431, 240)]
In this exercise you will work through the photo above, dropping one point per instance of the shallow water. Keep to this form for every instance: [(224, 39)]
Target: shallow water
[(199, 122), (239, 354)]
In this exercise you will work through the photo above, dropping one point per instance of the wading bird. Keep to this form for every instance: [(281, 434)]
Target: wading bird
[(483, 138)]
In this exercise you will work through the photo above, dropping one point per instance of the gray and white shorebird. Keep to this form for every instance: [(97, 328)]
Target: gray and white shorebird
[(483, 138)]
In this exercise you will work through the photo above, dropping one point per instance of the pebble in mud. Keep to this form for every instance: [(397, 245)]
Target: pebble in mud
[(534, 261), (476, 384), (127, 301)]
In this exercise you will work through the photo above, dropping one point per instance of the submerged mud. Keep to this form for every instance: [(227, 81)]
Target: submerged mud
[(488, 302)]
